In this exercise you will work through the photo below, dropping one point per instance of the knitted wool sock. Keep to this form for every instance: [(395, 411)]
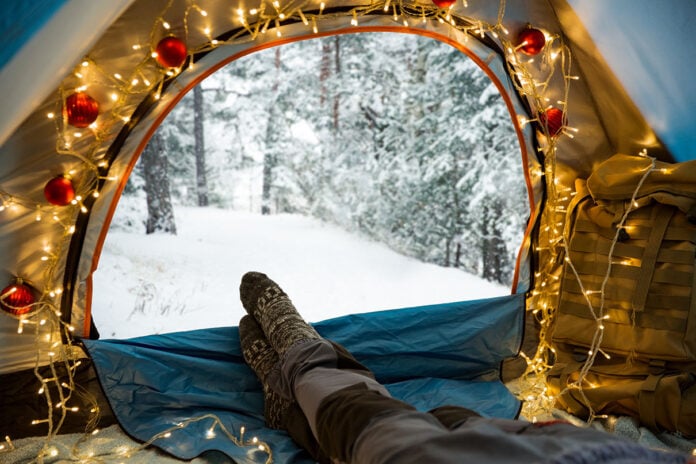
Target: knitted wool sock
[(275, 313), (261, 357)]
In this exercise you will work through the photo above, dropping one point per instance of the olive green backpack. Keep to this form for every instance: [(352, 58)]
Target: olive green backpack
[(641, 339)]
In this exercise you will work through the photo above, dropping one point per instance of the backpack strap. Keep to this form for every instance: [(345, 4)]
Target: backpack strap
[(581, 193), (662, 215), (646, 400)]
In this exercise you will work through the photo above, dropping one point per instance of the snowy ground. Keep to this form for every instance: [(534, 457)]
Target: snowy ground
[(149, 284)]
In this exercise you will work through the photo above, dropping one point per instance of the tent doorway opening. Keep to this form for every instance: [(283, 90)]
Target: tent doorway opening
[(363, 172)]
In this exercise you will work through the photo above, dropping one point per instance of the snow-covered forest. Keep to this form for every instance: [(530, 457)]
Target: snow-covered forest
[(399, 139)]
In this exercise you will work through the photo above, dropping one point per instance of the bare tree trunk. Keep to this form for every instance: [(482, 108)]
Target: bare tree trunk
[(267, 180), (199, 147), (493, 245), (337, 71), (269, 159), (324, 72), (160, 214)]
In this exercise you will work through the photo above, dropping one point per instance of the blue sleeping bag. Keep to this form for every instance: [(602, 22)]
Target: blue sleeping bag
[(427, 355)]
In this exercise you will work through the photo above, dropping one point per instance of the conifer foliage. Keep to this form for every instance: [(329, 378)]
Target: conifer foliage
[(398, 137)]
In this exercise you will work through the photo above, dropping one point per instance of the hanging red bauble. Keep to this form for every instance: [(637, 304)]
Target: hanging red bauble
[(531, 41), (552, 119), (17, 299), (59, 191), (444, 3), (171, 52), (81, 109)]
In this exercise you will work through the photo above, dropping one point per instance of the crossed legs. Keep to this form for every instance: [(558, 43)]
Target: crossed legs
[(311, 383)]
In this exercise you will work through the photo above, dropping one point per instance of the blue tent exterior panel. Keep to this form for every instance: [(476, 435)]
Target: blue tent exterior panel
[(20, 20)]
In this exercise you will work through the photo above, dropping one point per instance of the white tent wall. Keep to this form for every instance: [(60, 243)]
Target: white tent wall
[(43, 252)]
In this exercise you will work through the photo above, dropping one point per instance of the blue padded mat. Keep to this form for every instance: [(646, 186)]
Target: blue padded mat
[(427, 356)]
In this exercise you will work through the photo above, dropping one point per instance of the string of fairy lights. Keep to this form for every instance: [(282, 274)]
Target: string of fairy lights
[(94, 104)]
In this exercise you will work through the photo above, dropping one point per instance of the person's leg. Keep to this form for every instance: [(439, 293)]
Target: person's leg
[(337, 394), (261, 357), (343, 416), (309, 373), (270, 306), (453, 416), (279, 413), (303, 352)]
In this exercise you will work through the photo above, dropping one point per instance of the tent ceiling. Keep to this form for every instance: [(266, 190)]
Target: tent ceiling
[(648, 46)]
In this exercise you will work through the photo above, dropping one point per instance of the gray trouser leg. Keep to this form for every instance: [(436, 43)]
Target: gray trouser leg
[(309, 374)]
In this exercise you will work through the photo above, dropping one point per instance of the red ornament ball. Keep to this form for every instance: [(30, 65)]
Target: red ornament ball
[(59, 191), (81, 109), (552, 119), (531, 41), (17, 299), (171, 52), (444, 3)]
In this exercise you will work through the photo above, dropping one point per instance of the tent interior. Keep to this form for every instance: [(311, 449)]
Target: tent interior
[(86, 84)]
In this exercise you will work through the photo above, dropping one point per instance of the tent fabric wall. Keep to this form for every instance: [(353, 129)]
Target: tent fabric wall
[(428, 356), (633, 61)]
